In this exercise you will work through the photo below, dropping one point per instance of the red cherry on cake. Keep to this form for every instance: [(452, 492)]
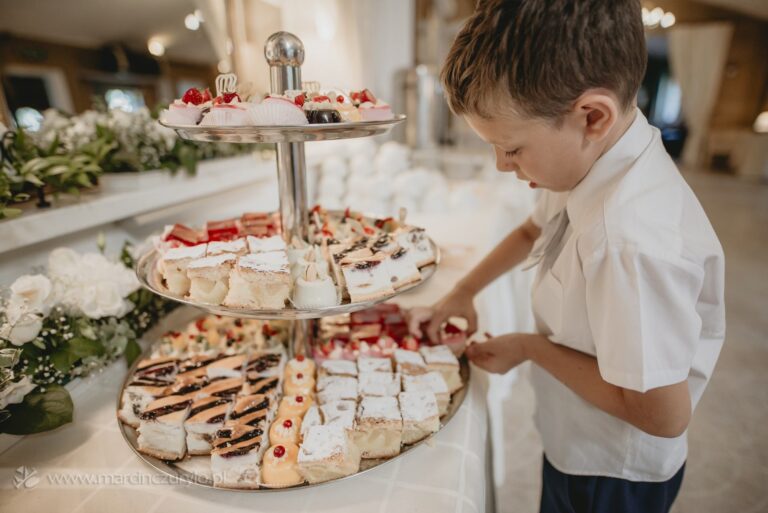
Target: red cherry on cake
[(299, 399), (287, 424), (339, 99), (279, 451), (193, 96)]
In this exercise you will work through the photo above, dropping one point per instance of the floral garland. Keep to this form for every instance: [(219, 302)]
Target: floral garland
[(69, 153), (84, 313)]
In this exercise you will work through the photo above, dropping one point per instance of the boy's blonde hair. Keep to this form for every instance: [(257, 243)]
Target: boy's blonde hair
[(544, 54)]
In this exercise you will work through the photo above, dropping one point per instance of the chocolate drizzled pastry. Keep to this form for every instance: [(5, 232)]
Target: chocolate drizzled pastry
[(170, 406), (237, 440)]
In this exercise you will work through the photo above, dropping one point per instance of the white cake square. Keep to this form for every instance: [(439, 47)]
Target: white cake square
[(335, 388), (367, 279), (161, 427), (137, 395), (173, 267), (260, 280), (327, 453), (378, 384), (206, 416), (373, 364), (379, 427), (312, 418), (235, 457), (440, 358), (433, 382), (338, 368), (340, 413), (409, 362), (421, 416), (238, 247), (416, 240), (209, 278), (403, 268), (266, 244)]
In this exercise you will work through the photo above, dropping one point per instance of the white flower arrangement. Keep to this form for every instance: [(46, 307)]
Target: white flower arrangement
[(83, 313)]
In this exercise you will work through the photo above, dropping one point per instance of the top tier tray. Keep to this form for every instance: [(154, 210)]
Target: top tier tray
[(285, 134)]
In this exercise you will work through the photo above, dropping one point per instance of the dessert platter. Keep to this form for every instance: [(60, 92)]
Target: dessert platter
[(294, 115), (220, 404), (243, 266)]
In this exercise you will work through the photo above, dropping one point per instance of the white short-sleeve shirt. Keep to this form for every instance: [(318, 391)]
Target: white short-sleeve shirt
[(637, 282)]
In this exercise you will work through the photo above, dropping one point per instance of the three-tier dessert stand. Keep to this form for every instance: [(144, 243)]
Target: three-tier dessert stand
[(284, 53)]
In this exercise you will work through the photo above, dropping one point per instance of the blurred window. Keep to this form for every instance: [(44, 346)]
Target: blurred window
[(128, 100)]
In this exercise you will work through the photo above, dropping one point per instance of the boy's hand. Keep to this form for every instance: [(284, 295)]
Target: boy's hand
[(456, 304), (500, 354)]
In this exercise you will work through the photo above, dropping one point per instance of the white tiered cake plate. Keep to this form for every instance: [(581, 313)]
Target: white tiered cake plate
[(196, 469), (285, 134)]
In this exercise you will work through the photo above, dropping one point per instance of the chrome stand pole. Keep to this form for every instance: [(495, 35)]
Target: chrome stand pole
[(285, 54)]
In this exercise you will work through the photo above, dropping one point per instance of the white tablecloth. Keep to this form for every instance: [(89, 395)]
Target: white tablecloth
[(86, 466)]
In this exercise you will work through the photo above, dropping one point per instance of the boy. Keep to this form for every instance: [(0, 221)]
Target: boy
[(628, 296)]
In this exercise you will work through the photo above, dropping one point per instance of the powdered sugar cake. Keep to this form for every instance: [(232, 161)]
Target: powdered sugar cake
[(328, 453), (379, 427)]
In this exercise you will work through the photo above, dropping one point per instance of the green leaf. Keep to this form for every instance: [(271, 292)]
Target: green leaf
[(79, 347), (39, 411), (62, 359), (132, 351), (83, 347)]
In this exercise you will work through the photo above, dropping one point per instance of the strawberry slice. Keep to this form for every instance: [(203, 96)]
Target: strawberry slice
[(193, 96), (207, 95), (367, 96), (299, 100), (228, 97)]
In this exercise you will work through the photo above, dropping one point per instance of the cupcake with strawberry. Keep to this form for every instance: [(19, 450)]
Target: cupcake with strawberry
[(227, 108), (189, 109)]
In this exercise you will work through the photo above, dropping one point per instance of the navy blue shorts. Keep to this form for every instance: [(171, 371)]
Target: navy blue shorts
[(565, 493)]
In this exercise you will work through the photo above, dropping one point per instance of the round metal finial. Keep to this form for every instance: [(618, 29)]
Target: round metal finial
[(284, 49)]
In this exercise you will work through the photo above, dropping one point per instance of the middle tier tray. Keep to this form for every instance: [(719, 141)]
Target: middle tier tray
[(149, 276)]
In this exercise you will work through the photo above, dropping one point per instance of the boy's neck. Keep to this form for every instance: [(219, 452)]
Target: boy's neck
[(623, 123)]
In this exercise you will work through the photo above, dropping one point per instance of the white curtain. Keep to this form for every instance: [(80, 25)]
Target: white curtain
[(697, 56)]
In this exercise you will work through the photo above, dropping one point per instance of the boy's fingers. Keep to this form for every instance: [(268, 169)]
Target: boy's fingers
[(416, 316), (472, 323), (433, 329)]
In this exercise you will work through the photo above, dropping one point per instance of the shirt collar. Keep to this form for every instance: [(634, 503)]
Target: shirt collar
[(612, 164)]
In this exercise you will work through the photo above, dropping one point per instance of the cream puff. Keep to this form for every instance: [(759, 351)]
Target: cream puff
[(279, 468), (285, 430)]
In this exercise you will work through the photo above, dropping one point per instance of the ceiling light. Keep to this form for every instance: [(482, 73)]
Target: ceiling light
[(156, 47), (667, 20), (761, 123), (199, 15), (191, 22), (654, 17)]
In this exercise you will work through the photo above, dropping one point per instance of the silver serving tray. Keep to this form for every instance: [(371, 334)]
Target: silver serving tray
[(149, 276), (285, 134), (192, 469)]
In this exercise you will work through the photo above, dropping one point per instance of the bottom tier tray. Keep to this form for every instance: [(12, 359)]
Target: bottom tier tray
[(197, 469)]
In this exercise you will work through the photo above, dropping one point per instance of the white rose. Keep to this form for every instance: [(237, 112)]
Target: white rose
[(21, 327), (15, 391), (103, 300), (33, 292), (64, 262)]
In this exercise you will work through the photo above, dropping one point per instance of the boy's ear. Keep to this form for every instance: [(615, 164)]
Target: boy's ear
[(597, 112)]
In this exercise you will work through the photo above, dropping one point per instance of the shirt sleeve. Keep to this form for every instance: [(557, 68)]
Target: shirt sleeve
[(642, 313)]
